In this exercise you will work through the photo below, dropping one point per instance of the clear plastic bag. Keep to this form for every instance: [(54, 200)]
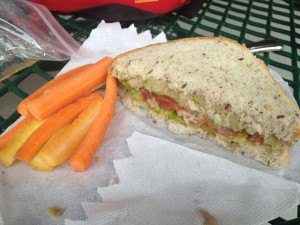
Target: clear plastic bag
[(28, 33)]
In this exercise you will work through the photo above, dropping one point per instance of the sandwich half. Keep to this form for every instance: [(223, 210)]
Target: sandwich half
[(214, 87)]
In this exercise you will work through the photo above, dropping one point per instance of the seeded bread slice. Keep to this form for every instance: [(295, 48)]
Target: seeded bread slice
[(223, 73)]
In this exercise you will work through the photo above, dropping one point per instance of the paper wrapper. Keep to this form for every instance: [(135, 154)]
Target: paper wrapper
[(26, 194)]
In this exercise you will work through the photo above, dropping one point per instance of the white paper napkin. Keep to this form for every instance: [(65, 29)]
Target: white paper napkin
[(165, 183)]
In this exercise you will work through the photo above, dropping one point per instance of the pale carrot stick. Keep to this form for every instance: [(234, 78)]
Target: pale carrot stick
[(84, 154), (39, 164), (12, 133), (61, 146), (52, 124), (22, 107), (68, 91)]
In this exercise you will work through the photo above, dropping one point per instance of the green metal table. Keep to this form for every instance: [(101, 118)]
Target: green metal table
[(243, 20)]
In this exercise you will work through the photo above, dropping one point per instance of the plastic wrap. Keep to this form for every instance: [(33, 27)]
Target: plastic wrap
[(28, 33)]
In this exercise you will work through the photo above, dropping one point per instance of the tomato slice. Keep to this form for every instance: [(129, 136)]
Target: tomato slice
[(146, 95), (163, 101), (228, 132), (257, 138), (168, 103)]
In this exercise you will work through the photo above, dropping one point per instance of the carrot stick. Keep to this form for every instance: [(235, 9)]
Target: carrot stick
[(22, 107), (39, 164), (84, 154), (7, 154), (53, 123), (69, 90), (61, 146), (12, 133)]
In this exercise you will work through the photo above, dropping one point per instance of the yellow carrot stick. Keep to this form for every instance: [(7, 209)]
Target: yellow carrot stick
[(7, 154), (39, 164), (61, 146)]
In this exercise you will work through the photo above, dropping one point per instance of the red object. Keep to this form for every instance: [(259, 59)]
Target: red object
[(228, 132), (163, 101), (153, 6), (202, 121), (257, 138)]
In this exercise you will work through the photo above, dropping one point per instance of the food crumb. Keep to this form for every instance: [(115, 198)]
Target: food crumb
[(208, 219), (97, 159), (56, 212)]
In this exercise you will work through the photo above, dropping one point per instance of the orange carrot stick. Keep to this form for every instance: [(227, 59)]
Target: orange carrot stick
[(7, 137), (84, 154), (22, 107), (69, 90), (52, 124)]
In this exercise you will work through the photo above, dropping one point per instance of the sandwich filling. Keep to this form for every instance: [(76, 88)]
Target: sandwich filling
[(192, 111)]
